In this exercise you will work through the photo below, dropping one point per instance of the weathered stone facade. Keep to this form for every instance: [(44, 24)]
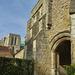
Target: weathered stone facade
[(50, 37), (2, 41), (12, 41), (20, 54)]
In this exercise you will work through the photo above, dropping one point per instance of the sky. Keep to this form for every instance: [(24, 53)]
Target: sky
[(14, 15)]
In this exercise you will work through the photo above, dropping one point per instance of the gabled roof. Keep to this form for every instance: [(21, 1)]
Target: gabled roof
[(4, 50)]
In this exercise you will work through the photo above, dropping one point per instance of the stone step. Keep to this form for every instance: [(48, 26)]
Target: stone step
[(61, 70)]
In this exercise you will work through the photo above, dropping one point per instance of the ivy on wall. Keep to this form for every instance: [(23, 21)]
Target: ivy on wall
[(12, 66)]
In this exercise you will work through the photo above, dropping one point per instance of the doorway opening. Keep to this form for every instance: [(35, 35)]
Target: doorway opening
[(63, 53)]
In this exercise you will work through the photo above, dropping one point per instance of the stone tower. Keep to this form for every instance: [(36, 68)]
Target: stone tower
[(50, 37), (12, 41)]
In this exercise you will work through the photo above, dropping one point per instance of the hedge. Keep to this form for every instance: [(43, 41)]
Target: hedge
[(12, 66), (70, 69)]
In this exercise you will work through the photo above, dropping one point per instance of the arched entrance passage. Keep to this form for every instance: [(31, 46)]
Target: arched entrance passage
[(60, 47), (63, 53)]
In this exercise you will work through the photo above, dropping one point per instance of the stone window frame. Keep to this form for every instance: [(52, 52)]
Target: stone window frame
[(13, 49), (15, 40), (34, 19), (34, 45), (31, 33), (40, 11), (12, 41), (40, 25), (34, 49)]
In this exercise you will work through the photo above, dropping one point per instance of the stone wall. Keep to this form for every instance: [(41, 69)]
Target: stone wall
[(60, 17), (60, 24), (73, 38), (55, 27), (40, 2), (20, 54), (38, 50)]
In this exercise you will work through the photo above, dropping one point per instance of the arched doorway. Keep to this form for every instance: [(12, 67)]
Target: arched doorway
[(60, 47), (62, 56), (63, 53)]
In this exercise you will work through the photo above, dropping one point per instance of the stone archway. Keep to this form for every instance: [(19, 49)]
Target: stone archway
[(62, 56), (60, 53), (63, 52)]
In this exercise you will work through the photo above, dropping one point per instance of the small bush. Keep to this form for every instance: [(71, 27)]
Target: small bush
[(12, 66), (70, 69)]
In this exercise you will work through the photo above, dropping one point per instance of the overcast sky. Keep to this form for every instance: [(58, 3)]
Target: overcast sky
[(14, 15)]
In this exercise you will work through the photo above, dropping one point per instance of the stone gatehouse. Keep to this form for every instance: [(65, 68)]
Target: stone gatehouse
[(50, 37)]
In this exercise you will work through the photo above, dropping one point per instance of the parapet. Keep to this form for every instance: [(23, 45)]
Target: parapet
[(40, 2)]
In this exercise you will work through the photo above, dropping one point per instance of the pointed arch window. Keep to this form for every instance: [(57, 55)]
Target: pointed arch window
[(15, 40), (12, 41)]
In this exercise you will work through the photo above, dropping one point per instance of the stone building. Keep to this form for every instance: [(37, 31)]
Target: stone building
[(2, 41), (50, 37), (20, 54), (12, 41)]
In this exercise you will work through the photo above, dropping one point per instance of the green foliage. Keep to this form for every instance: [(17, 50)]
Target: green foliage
[(12, 66), (70, 69)]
